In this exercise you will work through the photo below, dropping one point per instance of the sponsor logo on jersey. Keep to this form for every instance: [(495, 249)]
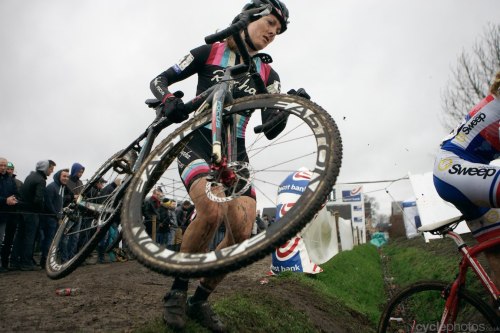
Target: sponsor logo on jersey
[(480, 117), (183, 63), (458, 169), (445, 164), (461, 137), (491, 216)]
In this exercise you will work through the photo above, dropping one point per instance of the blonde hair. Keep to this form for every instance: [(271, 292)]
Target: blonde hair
[(232, 44), (495, 86)]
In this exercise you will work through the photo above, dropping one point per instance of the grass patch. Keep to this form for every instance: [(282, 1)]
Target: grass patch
[(354, 278), (262, 313), (348, 293), (413, 260)]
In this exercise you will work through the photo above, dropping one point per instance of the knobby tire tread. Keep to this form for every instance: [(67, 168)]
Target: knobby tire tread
[(305, 211)]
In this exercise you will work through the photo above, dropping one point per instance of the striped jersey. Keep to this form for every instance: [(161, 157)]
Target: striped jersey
[(476, 139), (209, 62)]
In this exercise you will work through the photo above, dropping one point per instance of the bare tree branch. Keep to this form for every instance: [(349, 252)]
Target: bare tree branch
[(471, 77)]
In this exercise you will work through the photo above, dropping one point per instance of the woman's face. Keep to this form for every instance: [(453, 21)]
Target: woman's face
[(263, 31)]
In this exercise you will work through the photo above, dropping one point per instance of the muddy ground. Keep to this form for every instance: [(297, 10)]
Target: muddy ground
[(121, 297)]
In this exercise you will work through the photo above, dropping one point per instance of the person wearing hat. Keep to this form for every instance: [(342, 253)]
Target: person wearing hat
[(12, 222), (8, 201), (11, 172), (165, 222)]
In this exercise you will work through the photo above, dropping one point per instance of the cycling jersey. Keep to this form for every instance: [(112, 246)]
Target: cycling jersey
[(462, 174), (209, 62)]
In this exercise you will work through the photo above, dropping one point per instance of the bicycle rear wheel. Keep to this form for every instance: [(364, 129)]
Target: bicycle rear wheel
[(419, 308), (84, 223), (311, 140)]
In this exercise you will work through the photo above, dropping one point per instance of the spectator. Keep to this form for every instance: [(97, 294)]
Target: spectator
[(32, 203), (165, 222), (181, 213), (12, 223), (76, 186), (109, 189), (113, 232), (265, 218), (174, 226), (8, 201), (57, 196), (261, 225), (74, 183), (150, 209), (10, 171), (95, 193)]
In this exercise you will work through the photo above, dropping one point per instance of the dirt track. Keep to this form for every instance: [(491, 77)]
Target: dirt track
[(121, 297)]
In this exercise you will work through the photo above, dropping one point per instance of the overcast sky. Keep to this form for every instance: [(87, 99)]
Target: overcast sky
[(74, 74)]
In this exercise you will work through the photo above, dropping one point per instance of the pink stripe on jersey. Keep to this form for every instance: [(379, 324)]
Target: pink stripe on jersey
[(216, 54), (265, 69), (196, 171)]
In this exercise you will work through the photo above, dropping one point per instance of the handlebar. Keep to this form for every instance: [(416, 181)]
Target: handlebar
[(240, 24), (231, 30)]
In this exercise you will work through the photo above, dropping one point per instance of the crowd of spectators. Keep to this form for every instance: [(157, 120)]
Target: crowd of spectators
[(30, 213)]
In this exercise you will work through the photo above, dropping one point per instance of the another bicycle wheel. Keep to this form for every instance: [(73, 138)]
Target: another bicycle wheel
[(311, 140), (419, 308), (85, 222)]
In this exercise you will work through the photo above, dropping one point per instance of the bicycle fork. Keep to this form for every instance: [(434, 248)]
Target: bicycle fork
[(220, 159)]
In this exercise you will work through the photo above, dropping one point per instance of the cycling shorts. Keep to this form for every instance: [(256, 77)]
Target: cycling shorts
[(474, 189), (194, 160)]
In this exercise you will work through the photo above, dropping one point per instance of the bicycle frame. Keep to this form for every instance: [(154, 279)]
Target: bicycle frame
[(469, 260)]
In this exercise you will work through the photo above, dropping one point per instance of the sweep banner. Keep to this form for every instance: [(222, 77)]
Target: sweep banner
[(292, 256)]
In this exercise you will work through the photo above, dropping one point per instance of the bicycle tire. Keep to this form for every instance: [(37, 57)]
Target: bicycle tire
[(419, 306), (60, 261), (326, 159)]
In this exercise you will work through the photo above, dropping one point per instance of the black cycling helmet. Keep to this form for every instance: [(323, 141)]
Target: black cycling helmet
[(278, 9)]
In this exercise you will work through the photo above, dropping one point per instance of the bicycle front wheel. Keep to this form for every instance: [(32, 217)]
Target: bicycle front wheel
[(311, 140), (419, 308), (85, 223)]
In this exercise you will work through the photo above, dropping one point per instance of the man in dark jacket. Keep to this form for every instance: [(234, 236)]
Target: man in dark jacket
[(75, 184), (151, 208), (8, 201), (57, 196), (32, 204)]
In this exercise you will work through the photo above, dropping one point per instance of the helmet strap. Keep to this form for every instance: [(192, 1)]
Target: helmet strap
[(248, 40)]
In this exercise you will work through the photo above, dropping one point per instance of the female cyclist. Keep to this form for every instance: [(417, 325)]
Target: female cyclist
[(208, 62)]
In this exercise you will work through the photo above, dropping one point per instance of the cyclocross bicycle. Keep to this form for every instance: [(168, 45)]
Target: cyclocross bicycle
[(436, 306), (311, 140)]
